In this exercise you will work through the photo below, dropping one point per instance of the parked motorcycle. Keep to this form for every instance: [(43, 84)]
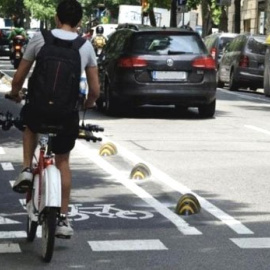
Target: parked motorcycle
[(17, 50)]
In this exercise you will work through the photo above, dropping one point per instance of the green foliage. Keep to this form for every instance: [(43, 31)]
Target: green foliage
[(42, 9), (214, 10)]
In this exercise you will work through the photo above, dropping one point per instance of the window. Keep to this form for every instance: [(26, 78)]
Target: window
[(255, 45), (166, 43)]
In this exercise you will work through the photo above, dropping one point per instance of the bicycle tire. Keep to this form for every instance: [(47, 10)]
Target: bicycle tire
[(48, 233), (31, 229)]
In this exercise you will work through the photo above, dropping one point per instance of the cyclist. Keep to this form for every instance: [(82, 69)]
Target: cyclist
[(68, 18)]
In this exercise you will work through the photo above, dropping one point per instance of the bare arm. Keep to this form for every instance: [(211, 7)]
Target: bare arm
[(93, 85), (19, 78)]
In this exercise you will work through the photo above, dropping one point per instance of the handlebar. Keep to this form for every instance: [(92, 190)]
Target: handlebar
[(85, 131), (22, 95)]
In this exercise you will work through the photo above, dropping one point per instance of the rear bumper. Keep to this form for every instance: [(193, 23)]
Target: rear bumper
[(250, 77), (186, 95)]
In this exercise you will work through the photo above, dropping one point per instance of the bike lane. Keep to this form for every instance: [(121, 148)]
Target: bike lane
[(119, 223)]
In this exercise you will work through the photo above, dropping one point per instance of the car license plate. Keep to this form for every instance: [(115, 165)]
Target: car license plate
[(169, 75)]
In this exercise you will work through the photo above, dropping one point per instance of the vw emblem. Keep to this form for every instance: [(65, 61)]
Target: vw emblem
[(169, 62)]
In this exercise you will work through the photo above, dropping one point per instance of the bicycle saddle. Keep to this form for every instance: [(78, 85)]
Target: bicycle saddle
[(51, 129)]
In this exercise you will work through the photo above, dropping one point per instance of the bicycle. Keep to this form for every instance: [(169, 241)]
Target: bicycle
[(43, 200)]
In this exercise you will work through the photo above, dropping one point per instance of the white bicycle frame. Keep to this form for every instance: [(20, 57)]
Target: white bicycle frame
[(51, 188), (49, 194)]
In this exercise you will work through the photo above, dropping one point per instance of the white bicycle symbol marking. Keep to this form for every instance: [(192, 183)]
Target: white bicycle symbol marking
[(78, 212)]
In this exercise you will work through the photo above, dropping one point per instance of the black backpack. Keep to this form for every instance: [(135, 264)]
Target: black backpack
[(53, 88)]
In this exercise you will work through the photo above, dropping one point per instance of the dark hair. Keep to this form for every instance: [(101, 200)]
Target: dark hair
[(69, 12)]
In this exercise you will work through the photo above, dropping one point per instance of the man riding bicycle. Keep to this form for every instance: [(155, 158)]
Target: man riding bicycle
[(68, 18)]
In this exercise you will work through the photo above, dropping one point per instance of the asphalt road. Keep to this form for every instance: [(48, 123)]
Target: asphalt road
[(223, 161)]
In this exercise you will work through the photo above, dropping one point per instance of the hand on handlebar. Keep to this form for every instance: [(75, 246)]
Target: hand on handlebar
[(89, 105), (14, 97)]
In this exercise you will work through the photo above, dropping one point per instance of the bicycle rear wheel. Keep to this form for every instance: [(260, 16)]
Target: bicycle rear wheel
[(48, 233)]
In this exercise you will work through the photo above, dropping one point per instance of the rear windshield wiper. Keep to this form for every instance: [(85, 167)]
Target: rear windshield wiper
[(177, 52)]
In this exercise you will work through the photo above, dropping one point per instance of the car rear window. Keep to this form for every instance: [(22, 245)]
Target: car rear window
[(223, 41), (167, 43), (4, 33), (256, 45)]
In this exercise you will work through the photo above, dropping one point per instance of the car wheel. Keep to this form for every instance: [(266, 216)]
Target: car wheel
[(233, 86), (111, 105), (208, 110), (16, 63)]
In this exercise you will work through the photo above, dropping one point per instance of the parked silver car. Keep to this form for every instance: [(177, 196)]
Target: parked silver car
[(266, 75), (215, 44), (242, 64)]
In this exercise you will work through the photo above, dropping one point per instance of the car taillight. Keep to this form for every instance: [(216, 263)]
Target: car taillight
[(213, 52), (204, 63), (130, 62), (244, 61)]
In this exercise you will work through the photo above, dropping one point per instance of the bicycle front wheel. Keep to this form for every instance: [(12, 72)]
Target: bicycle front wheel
[(31, 229), (48, 233)]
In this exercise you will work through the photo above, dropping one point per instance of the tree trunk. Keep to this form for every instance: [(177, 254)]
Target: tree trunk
[(237, 16), (223, 25), (173, 22), (152, 17), (207, 20)]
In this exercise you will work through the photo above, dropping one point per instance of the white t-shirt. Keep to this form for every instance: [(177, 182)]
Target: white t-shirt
[(88, 56)]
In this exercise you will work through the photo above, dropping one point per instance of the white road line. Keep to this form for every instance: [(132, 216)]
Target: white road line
[(127, 245), (180, 223), (5, 221), (249, 243), (7, 166), (10, 248), (231, 222), (258, 129), (2, 152), (12, 234)]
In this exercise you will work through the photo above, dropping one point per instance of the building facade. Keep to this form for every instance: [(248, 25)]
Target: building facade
[(252, 16)]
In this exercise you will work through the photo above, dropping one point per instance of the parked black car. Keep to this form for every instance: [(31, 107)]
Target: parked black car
[(160, 66), (215, 44), (242, 64), (4, 42)]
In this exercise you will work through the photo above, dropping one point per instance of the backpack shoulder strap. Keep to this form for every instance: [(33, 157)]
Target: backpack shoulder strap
[(48, 36), (78, 42)]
